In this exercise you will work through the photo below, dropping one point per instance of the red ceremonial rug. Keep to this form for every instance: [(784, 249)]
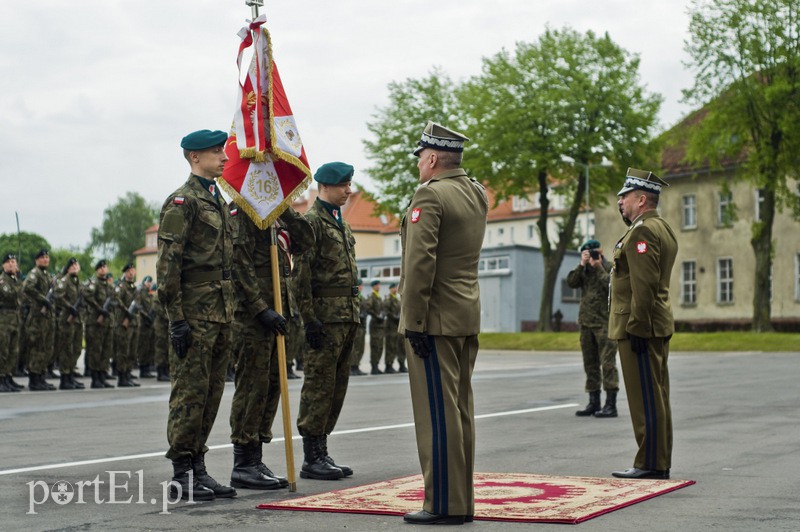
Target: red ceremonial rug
[(498, 497)]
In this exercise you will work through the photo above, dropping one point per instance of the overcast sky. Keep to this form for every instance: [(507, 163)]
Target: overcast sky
[(96, 95)]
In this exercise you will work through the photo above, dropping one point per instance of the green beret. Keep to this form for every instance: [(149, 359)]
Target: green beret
[(203, 139), (41, 253), (147, 279), (334, 173), (590, 244), (100, 264), (375, 282), (127, 267), (9, 256), (392, 285)]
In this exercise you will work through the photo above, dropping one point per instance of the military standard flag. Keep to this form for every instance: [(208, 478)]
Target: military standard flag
[(267, 167)]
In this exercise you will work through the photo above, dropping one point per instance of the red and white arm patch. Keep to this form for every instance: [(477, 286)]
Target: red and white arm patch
[(415, 214), (641, 247), (178, 200)]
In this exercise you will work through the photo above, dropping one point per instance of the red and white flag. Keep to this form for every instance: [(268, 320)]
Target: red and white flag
[(267, 167)]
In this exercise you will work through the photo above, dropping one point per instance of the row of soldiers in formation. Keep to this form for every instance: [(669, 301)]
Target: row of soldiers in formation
[(45, 318)]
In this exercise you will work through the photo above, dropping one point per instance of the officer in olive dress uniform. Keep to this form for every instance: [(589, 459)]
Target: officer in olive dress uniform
[(640, 319), (125, 327), (599, 353), (195, 262), (10, 293), (377, 323), (394, 341), (360, 342), (257, 394), (442, 234), (69, 329), (97, 296), (327, 294), (40, 324)]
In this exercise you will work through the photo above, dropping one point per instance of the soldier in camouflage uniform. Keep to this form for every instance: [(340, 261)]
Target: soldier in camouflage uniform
[(328, 298), (599, 353), (195, 262), (361, 333), (161, 342), (69, 329), (125, 327), (39, 327), (97, 298), (255, 400), (395, 342), (377, 318), (10, 288), (145, 344)]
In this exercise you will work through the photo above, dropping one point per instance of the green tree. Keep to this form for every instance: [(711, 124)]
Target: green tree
[(25, 248), (746, 58), (122, 231), (397, 128), (568, 94)]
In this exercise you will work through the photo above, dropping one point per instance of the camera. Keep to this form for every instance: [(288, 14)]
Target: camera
[(594, 254)]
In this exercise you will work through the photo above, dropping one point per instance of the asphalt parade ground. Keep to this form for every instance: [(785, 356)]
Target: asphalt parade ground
[(737, 433)]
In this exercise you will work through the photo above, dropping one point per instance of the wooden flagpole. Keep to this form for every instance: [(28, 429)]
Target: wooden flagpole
[(279, 338)]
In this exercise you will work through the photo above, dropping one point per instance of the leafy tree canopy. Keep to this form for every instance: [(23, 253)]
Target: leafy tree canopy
[(123, 227)]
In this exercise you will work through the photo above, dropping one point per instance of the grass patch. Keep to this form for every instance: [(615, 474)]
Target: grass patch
[(713, 341)]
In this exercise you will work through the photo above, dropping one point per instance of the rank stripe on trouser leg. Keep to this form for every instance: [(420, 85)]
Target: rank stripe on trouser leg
[(433, 379), (648, 403)]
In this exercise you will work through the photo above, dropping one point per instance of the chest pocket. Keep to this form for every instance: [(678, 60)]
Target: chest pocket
[(207, 229)]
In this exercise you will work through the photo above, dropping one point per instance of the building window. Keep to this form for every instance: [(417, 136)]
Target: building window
[(725, 209), (396, 245), (386, 272), (689, 212), (569, 294), (725, 281), (495, 264), (689, 283), (363, 273), (531, 231)]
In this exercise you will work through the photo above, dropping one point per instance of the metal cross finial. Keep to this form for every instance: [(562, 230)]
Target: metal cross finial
[(254, 5)]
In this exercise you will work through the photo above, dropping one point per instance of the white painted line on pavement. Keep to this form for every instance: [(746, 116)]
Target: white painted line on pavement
[(294, 437)]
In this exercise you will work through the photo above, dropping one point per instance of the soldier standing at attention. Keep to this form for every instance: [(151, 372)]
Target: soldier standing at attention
[(195, 258), (395, 343), (641, 320), (161, 333), (441, 235), (377, 317), (599, 353), (10, 289), (255, 400), (361, 333), (125, 327), (327, 294), (69, 332), (39, 327), (97, 297), (145, 339)]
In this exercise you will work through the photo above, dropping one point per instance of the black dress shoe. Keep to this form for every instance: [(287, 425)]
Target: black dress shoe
[(426, 518), (642, 473)]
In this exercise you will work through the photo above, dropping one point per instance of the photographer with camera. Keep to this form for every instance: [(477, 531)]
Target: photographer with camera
[(599, 353)]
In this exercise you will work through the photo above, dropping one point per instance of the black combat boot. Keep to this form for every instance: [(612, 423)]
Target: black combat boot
[(103, 376), (592, 407), (389, 369), (97, 382), (75, 382), (144, 372), (184, 477), (375, 370), (163, 373), (355, 371), (346, 470), (15, 386), (246, 473), (36, 383), (4, 387), (206, 480), (258, 457), (314, 464), (403, 368), (610, 408), (66, 383), (124, 380)]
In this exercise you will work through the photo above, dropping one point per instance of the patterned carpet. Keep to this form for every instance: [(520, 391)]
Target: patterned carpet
[(498, 497)]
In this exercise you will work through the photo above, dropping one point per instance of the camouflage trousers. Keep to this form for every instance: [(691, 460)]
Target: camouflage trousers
[(327, 371), (395, 344), (145, 346), (599, 359), (69, 341), (39, 330), (257, 394), (295, 340), (124, 347), (375, 343), (99, 339), (198, 380), (9, 342), (161, 341), (358, 346)]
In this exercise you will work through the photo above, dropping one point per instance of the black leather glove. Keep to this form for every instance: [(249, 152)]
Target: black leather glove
[(181, 335), (638, 344), (272, 321), (420, 343), (105, 313), (315, 332)]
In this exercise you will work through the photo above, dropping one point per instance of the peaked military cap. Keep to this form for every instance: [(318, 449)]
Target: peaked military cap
[(334, 173), (41, 253), (127, 267), (590, 244), (642, 180), (203, 139), (8, 256), (438, 137), (100, 264)]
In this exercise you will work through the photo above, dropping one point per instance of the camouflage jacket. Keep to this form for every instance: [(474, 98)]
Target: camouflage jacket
[(124, 294), (95, 293), (391, 306), (144, 303), (67, 289), (253, 262), (35, 288), (10, 289), (593, 283), (327, 275), (195, 255), (375, 308)]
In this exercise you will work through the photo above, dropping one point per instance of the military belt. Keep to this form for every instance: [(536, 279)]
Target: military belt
[(8, 310), (336, 291), (205, 277), (267, 272)]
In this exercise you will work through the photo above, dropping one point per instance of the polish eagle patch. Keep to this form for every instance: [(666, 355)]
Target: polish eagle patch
[(415, 214), (641, 247)]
